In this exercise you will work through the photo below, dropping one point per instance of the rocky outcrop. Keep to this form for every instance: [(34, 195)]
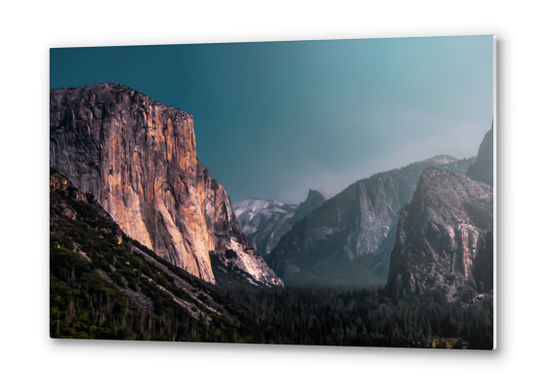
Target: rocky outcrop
[(349, 239), (444, 239), (264, 222), (138, 157), (482, 169)]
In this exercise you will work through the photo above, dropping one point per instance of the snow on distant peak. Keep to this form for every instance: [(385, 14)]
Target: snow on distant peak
[(248, 204), (255, 205), (441, 159)]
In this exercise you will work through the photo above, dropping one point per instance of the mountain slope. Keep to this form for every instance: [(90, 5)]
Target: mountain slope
[(444, 238), (138, 157), (264, 222), (482, 169), (349, 239), (106, 285)]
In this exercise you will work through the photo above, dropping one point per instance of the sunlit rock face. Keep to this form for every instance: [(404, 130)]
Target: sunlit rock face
[(138, 157), (444, 239), (482, 169)]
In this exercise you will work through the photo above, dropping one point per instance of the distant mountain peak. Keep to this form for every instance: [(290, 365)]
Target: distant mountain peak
[(315, 198), (325, 194), (264, 222), (482, 169), (441, 159)]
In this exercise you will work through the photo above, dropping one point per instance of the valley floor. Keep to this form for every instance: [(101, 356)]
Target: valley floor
[(357, 317)]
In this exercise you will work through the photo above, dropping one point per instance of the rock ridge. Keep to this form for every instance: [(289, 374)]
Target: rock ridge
[(444, 239)]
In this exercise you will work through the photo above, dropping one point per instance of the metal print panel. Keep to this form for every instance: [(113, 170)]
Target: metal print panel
[(341, 192)]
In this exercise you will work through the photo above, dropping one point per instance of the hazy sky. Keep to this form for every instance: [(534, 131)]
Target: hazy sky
[(275, 119)]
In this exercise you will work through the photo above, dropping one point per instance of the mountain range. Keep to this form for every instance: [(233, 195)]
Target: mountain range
[(264, 222), (422, 227), (349, 239)]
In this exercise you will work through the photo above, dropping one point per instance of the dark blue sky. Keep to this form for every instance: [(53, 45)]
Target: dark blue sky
[(275, 119)]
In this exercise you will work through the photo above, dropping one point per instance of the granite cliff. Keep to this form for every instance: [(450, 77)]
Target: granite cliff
[(348, 240), (91, 259), (444, 239), (138, 158)]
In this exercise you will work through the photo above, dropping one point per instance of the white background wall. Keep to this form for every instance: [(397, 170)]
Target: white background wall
[(29, 30)]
